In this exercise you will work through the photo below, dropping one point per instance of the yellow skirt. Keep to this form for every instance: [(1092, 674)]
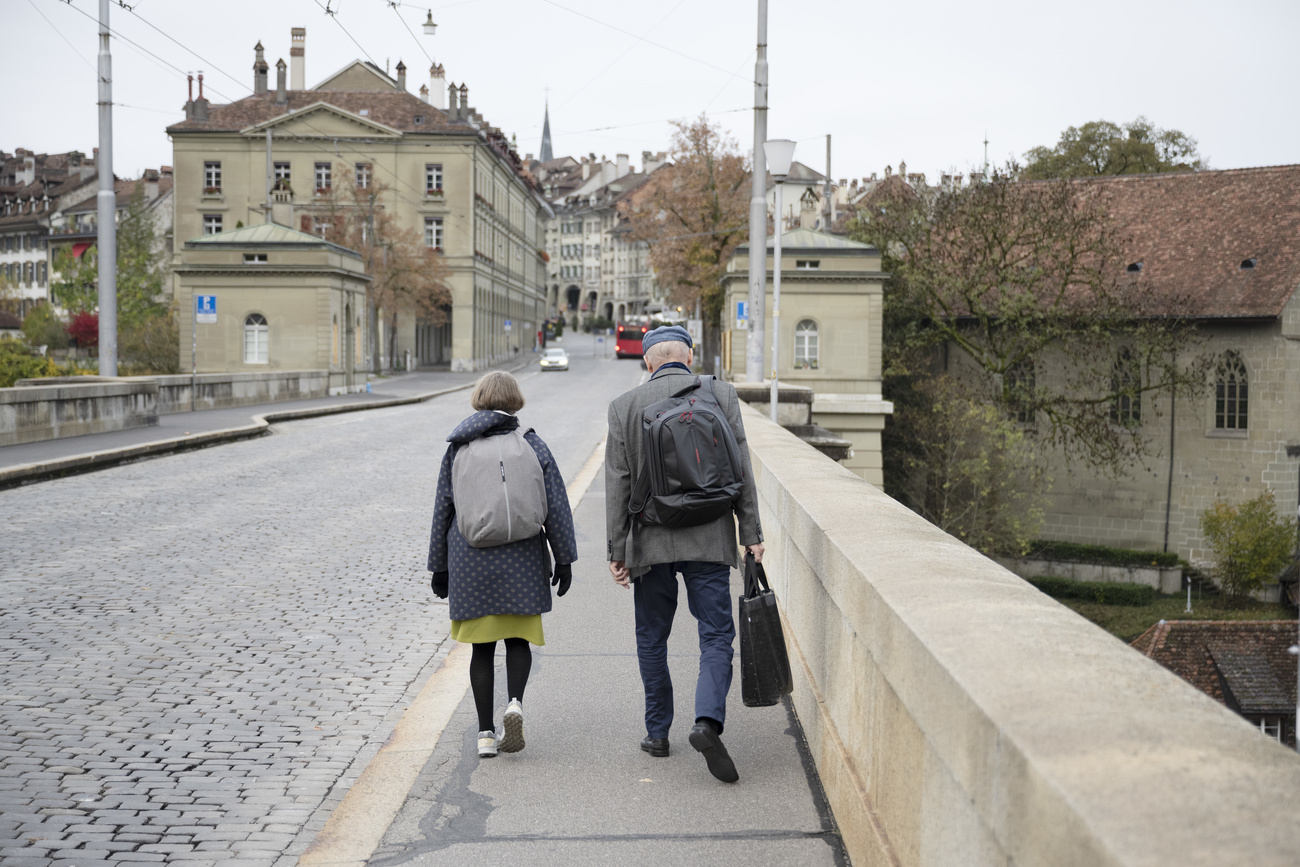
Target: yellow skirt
[(495, 627)]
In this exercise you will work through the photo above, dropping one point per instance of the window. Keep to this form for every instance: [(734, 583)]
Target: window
[(323, 179), (1271, 726), (41, 274), (1126, 384), (807, 264), (433, 178), (1020, 391), (212, 176), (363, 176), (254, 258), (321, 226), (255, 339), (28, 272), (211, 224), (1230, 394), (433, 232), (805, 345), (282, 175)]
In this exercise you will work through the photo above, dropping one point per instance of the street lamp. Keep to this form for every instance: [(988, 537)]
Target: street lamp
[(429, 27), (779, 153)]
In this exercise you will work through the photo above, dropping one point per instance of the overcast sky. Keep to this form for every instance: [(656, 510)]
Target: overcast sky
[(921, 81)]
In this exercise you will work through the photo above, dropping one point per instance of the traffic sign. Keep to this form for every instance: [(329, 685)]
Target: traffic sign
[(509, 325), (205, 309), (742, 315)]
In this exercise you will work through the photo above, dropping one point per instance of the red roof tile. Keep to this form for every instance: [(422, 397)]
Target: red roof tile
[(397, 110)]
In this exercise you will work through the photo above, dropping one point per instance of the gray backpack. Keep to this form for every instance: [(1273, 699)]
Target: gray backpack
[(498, 489)]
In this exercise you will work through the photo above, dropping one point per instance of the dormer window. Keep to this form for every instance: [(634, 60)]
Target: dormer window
[(1249, 264), (1134, 268), (419, 119)]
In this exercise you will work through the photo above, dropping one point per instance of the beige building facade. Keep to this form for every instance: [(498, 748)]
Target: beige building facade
[(281, 155), (281, 300), (832, 308)]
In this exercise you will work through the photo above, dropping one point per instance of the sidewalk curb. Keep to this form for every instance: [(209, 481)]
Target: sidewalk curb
[(26, 474)]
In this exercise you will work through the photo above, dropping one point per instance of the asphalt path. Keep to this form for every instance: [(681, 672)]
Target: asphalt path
[(200, 653)]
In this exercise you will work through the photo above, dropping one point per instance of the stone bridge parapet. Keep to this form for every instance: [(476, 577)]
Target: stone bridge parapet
[(957, 716)]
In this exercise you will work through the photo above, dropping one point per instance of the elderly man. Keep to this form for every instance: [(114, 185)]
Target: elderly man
[(703, 555)]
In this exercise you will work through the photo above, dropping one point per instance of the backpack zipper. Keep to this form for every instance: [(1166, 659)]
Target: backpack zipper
[(505, 488)]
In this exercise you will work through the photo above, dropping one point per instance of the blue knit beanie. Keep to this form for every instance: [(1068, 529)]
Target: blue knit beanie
[(666, 332)]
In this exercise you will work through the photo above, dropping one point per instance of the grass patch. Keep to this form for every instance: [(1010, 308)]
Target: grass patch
[(1127, 622)]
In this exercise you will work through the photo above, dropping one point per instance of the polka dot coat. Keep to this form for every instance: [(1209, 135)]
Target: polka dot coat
[(506, 579)]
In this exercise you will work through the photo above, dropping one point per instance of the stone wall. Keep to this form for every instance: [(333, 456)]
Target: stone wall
[(958, 716), (219, 390), (34, 412)]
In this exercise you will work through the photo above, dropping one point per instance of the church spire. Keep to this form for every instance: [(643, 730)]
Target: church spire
[(545, 154)]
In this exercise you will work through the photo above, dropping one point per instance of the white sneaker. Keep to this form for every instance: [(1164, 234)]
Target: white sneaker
[(512, 741), (487, 744)]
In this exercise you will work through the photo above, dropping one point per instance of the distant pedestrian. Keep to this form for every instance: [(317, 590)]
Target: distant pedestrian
[(501, 511), (650, 555)]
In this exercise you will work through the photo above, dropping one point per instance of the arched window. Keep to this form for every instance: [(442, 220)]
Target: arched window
[(806, 348), (1020, 391), (255, 339), (1126, 384), (1230, 393)]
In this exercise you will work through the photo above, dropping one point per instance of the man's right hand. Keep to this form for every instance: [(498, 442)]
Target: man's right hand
[(622, 577)]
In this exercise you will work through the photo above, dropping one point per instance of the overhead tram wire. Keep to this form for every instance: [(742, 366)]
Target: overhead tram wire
[(61, 36), (612, 63), (333, 13), (647, 41), (140, 47), (394, 4)]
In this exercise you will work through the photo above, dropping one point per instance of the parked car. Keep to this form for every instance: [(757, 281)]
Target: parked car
[(555, 359)]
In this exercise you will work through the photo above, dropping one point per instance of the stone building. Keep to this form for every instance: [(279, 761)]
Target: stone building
[(596, 269), (32, 189), (832, 309), (1222, 250), (284, 301), (279, 154)]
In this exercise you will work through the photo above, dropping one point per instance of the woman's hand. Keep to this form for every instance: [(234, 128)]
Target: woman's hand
[(439, 584), (563, 577)]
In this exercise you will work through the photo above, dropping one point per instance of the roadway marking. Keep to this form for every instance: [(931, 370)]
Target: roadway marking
[(357, 825)]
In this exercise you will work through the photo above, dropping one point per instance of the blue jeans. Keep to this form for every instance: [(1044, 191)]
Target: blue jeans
[(708, 595)]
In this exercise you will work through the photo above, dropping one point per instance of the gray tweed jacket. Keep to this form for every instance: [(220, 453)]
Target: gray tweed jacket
[(714, 542)]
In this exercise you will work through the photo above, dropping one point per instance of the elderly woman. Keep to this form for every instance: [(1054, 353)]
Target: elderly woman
[(497, 586)]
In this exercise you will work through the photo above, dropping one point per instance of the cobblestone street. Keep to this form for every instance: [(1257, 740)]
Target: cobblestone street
[(198, 653)]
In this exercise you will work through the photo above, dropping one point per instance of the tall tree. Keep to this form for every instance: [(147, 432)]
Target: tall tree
[(1023, 286), (693, 215), (408, 277), (1100, 147)]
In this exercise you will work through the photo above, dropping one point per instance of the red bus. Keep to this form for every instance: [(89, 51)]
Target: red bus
[(628, 343)]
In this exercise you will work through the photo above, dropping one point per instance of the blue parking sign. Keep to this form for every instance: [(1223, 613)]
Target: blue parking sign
[(205, 309), (742, 314)]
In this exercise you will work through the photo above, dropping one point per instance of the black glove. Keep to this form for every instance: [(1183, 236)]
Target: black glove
[(563, 577), (439, 584)]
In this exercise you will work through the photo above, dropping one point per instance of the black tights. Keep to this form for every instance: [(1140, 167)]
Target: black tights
[(519, 661)]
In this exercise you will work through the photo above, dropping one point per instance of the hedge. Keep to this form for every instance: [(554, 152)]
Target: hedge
[(1102, 592), (1100, 554)]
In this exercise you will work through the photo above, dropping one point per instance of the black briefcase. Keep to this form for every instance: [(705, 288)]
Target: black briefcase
[(764, 661)]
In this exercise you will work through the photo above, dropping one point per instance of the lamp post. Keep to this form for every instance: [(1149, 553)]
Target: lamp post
[(779, 153)]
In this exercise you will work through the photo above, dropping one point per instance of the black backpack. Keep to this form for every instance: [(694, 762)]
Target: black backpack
[(693, 472)]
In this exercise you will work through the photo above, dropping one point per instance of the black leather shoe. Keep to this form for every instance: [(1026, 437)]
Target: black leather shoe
[(657, 747), (706, 741)]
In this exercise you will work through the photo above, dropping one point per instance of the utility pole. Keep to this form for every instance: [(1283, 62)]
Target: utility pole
[(758, 213), (106, 203)]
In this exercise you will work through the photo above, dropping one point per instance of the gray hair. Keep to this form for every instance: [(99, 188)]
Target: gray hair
[(668, 350), (497, 390)]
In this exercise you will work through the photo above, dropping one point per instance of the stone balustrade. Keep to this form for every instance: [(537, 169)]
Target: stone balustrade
[(957, 716)]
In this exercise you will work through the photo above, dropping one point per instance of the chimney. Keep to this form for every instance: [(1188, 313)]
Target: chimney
[(586, 168), (297, 59), (452, 94), (259, 71), (464, 99), (424, 92), (189, 101), (401, 76), (200, 104), (281, 96), (150, 184), (165, 171), (622, 165), (437, 85)]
